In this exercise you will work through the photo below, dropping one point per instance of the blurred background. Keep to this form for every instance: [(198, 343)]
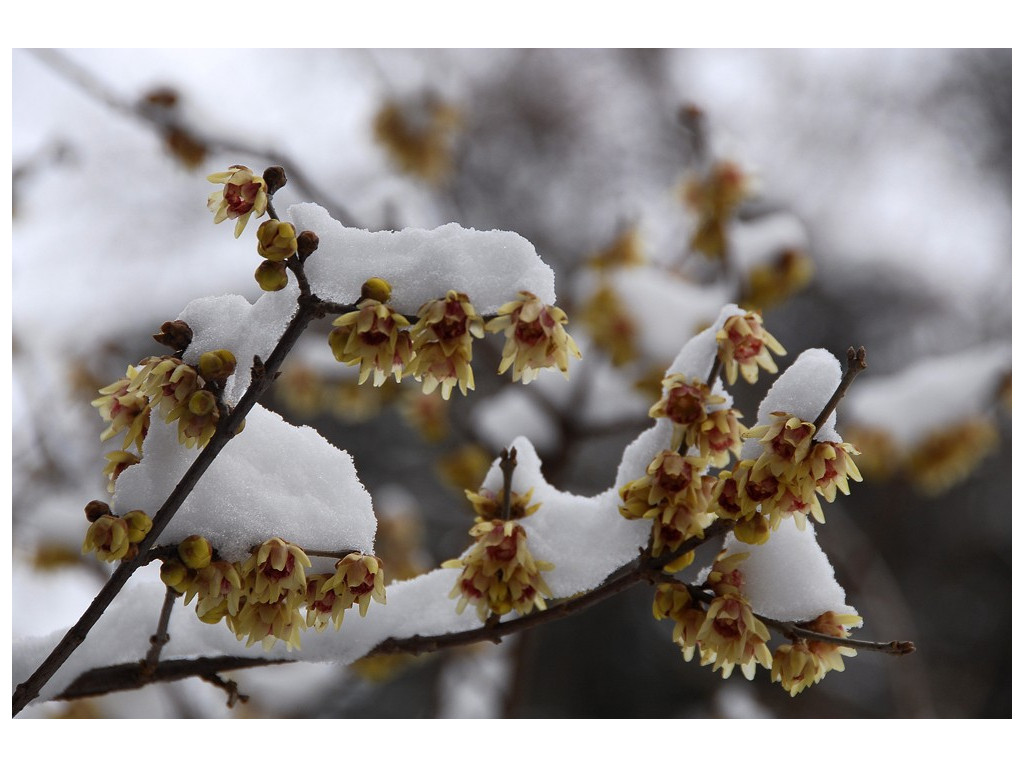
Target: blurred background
[(857, 197)]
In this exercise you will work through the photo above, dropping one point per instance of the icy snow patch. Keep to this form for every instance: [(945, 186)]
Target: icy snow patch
[(490, 267), (273, 479)]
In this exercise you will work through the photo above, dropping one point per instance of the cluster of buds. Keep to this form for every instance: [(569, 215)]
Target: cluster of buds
[(785, 480), (261, 598), (686, 403), (112, 537), (499, 574), (675, 493), (437, 349)]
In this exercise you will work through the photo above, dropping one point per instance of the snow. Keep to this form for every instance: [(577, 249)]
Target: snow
[(273, 479), (789, 578), (760, 240), (513, 412), (929, 395), (421, 265)]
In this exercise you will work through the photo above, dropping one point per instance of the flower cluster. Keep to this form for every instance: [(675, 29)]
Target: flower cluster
[(111, 537), (499, 574), (687, 404), (261, 598), (438, 349), (175, 390), (804, 662)]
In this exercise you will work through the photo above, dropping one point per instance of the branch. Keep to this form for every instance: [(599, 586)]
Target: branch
[(161, 638), (645, 568), (856, 361)]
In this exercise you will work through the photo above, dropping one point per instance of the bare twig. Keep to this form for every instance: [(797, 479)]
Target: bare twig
[(161, 638), (856, 361), (508, 466), (227, 685)]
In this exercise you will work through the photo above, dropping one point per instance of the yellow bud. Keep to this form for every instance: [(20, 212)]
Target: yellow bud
[(202, 402), (139, 524), (195, 552), (376, 288), (277, 240), (174, 574), (214, 615), (216, 365), (272, 275)]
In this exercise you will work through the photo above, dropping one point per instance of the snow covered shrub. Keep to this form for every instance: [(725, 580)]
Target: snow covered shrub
[(267, 528)]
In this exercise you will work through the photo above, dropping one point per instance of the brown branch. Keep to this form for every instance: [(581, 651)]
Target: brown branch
[(227, 685), (856, 361), (645, 568), (508, 466), (262, 376), (161, 638)]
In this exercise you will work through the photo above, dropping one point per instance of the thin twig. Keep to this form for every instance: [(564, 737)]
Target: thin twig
[(227, 685), (856, 361), (508, 466), (161, 638)]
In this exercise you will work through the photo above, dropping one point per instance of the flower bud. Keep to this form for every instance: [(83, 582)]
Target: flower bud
[(275, 178), (174, 574), (216, 365), (139, 524), (214, 615), (308, 242), (276, 240), (202, 402), (376, 288), (96, 509), (195, 552), (175, 334), (272, 275)]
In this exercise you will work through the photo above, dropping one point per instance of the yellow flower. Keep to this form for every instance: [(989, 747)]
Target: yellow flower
[(714, 199), (489, 505), (673, 601), (744, 344), (125, 409), (732, 636), (534, 337), (357, 578), (949, 455), (685, 403), (786, 440), (499, 573), (276, 240), (267, 623), (442, 344), (719, 435), (108, 536), (322, 605), (831, 464), (625, 251), (117, 462), (372, 337), (428, 414), (278, 570), (218, 585), (167, 382), (418, 136), (610, 325), (805, 662), (771, 283), (795, 667), (243, 195)]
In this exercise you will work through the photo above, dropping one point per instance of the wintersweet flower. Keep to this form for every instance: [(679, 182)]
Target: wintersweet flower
[(834, 625), (719, 435), (217, 585), (744, 345), (611, 327), (673, 601), (499, 573), (108, 537), (267, 623), (357, 578), (243, 195), (322, 605), (489, 505), (787, 441), (831, 465), (732, 636), (714, 199), (166, 381), (795, 667), (278, 570), (418, 135), (117, 462), (771, 283), (685, 403), (197, 418), (442, 344), (372, 337), (534, 337), (806, 661), (669, 478), (948, 455), (625, 251), (125, 409)]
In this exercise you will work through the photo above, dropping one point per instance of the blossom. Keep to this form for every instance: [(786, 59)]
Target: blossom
[(787, 440), (732, 636), (267, 623), (418, 135), (947, 456), (673, 601), (718, 435), (279, 572), (499, 573), (611, 326), (167, 382), (714, 199), (795, 667), (685, 403), (442, 344), (125, 409), (831, 464), (744, 344), (771, 283), (108, 536), (243, 194), (372, 337), (322, 605), (489, 505), (534, 337), (217, 585), (117, 462), (357, 578), (625, 251), (806, 661)]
